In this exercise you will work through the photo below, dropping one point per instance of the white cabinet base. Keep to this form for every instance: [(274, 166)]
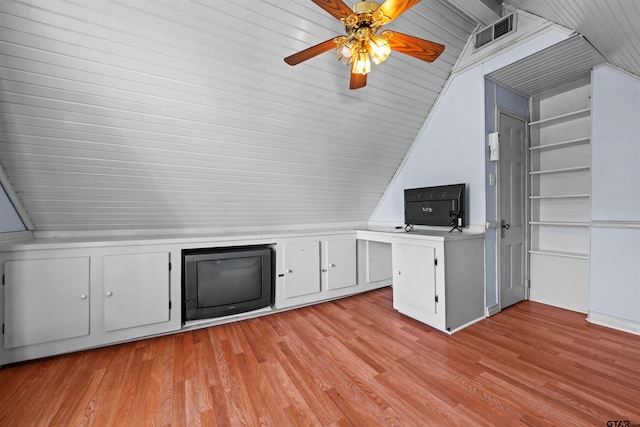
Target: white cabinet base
[(438, 277), (64, 300), (316, 269)]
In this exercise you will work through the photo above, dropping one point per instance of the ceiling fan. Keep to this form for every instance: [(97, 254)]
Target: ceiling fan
[(364, 42)]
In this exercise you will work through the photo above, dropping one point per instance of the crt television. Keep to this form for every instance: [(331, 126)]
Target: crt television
[(221, 282), (441, 205)]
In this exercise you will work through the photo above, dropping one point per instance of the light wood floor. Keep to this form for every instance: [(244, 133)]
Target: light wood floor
[(353, 361)]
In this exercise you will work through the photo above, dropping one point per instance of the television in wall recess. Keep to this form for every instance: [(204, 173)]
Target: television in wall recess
[(220, 282), (442, 205)]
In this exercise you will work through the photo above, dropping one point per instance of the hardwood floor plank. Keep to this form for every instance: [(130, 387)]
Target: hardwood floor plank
[(164, 371), (349, 362), (312, 386), (421, 402), (220, 409)]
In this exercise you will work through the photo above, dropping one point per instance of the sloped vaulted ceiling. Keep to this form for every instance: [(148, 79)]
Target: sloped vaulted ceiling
[(612, 26), (182, 113), (132, 114)]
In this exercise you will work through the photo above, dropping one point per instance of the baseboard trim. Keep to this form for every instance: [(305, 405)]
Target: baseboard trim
[(614, 322), (465, 325), (494, 309)]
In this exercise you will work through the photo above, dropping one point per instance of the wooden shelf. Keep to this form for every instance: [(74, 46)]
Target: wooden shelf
[(561, 223), (561, 196), (574, 115), (561, 170), (561, 144), (575, 255)]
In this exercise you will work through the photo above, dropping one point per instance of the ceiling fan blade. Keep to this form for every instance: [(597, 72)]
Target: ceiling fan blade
[(357, 81), (394, 8), (413, 46), (336, 8), (310, 52)]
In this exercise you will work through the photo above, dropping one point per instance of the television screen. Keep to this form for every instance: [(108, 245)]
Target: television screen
[(224, 281), (435, 206), (228, 281)]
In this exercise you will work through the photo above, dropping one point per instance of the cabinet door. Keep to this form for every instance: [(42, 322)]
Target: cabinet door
[(45, 300), (378, 261), (302, 268), (136, 290), (340, 263), (414, 284)]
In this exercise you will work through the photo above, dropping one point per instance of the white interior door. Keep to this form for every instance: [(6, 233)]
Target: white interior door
[(512, 196)]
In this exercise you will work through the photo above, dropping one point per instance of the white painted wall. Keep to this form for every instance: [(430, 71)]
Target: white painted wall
[(451, 147), (450, 150), (9, 219), (615, 273), (615, 208), (616, 146)]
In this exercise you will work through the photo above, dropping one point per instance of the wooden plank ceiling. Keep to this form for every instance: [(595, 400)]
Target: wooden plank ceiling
[(612, 26), (119, 114), (182, 114)]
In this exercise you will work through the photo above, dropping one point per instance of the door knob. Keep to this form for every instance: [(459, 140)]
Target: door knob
[(109, 293), (504, 226)]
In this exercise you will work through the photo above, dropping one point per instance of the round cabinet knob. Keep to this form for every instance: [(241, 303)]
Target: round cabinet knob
[(324, 270), (83, 296), (399, 273), (109, 293), (332, 265), (289, 271)]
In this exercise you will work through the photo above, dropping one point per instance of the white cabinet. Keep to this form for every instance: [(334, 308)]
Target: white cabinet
[(136, 290), (45, 300), (339, 263), (440, 281), (301, 262), (438, 277), (315, 270), (378, 266), (415, 291), (62, 300)]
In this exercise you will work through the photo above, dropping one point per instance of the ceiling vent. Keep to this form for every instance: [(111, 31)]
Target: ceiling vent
[(496, 30)]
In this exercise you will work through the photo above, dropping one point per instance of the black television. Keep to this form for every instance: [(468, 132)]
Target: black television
[(441, 205), (220, 282)]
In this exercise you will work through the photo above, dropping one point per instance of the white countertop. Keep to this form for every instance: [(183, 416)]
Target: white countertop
[(382, 234)]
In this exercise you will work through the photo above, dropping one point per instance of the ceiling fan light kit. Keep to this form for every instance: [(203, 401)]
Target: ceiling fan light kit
[(363, 43)]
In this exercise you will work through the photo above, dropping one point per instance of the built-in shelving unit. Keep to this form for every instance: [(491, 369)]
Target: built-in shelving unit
[(560, 195), (574, 255), (561, 223), (571, 115), (560, 170)]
